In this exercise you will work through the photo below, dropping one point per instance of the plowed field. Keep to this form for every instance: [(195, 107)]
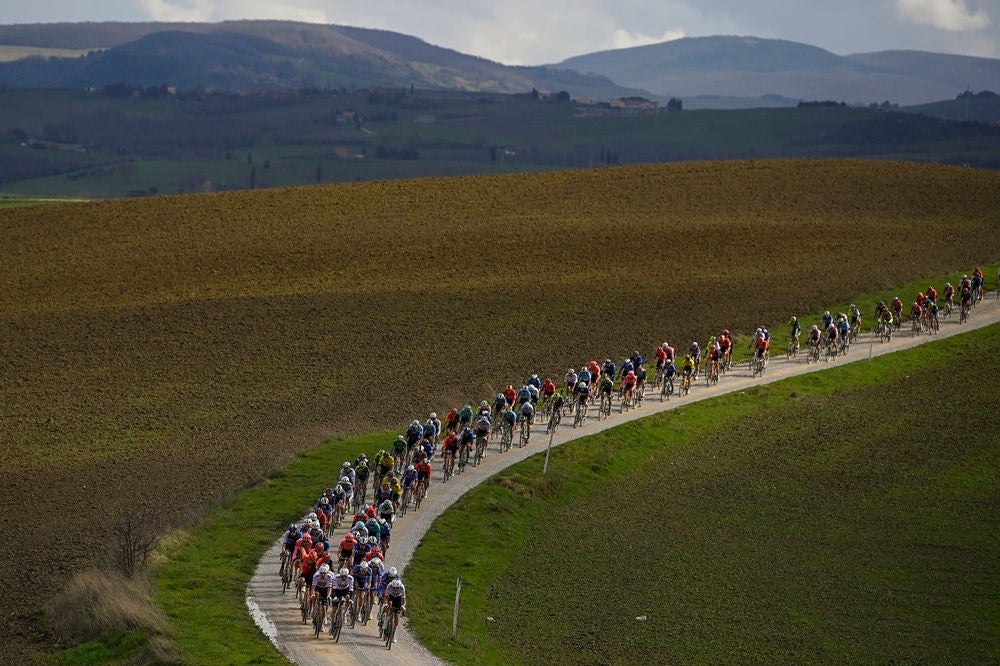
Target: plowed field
[(177, 348)]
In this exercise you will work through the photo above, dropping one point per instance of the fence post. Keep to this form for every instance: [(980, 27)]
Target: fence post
[(454, 620), (548, 449)]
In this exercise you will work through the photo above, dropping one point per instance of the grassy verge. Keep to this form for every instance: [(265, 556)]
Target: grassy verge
[(825, 518)]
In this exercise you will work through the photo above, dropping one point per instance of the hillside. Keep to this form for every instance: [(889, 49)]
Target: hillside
[(115, 144), (181, 347), (272, 55), (753, 67)]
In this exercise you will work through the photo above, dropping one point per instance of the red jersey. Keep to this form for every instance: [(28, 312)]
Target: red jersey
[(548, 386), (594, 368), (660, 354), (510, 394), (932, 293), (762, 343)]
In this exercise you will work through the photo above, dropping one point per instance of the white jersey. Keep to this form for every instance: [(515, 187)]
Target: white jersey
[(343, 582), (396, 588)]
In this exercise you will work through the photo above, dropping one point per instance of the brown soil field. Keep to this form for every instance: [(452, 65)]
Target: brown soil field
[(178, 348)]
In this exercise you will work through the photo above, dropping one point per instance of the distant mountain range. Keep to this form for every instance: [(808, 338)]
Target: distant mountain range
[(706, 72), (750, 67)]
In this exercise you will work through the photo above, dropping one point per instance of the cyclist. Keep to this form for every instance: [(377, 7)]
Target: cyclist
[(688, 370), (548, 389), (363, 579), (342, 587), (726, 345), (508, 418), (571, 379), (606, 388), (423, 477), (535, 381), (394, 597), (386, 509), (949, 294), (795, 330), (965, 298), (361, 473), (976, 284), (627, 387), (626, 366), (288, 541), (761, 346), (608, 369), (826, 320), (322, 582), (384, 492), (594, 368), (465, 416), (814, 337), (510, 394), (527, 416), (434, 421), (523, 396), (669, 371), (484, 410), (385, 462), (843, 330), (345, 551), (714, 357), (307, 570), (348, 493), (466, 438), (931, 293), (450, 448), (831, 337), (582, 393), (483, 426), (584, 375), (694, 351), (897, 310), (916, 310), (451, 419), (661, 356), (499, 403), (429, 439), (385, 530), (410, 479)]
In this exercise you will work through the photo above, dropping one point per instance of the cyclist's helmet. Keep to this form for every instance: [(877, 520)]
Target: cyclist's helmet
[(826, 314), (853, 306), (410, 468), (815, 327), (364, 566), (393, 573), (376, 562), (965, 277), (726, 332), (324, 500), (484, 404), (568, 371), (346, 465), (947, 284), (434, 415), (344, 572), (324, 569), (914, 302), (793, 318), (312, 516), (344, 479), (293, 527), (631, 373), (306, 538)]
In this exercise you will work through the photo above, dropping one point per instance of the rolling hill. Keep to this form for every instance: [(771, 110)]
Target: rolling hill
[(251, 55), (751, 67)]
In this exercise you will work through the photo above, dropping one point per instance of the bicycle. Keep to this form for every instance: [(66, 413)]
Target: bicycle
[(668, 388), (793, 348), (388, 632), (359, 495), (814, 353), (640, 394), (305, 607), (554, 418), (285, 571), (318, 616), (507, 435), (963, 313), (759, 363), (480, 449), (580, 415), (420, 494), (712, 377), (463, 458), (604, 410), (338, 619), (404, 502), (626, 403), (522, 440), (686, 383), (448, 468)]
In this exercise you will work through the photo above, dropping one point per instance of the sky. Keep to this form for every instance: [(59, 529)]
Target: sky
[(534, 32)]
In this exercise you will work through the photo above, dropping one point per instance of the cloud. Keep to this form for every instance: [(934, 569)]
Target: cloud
[(951, 15), (165, 10), (623, 39)]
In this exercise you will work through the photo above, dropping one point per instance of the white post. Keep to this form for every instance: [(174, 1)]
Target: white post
[(548, 449), (871, 348), (454, 619)]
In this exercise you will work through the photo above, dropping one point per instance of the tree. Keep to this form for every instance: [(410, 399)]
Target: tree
[(562, 96), (534, 94), (136, 535), (675, 104)]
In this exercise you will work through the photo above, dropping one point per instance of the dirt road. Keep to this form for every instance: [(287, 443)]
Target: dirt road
[(278, 615)]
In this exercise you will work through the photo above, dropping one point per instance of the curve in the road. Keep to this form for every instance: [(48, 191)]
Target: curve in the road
[(278, 614)]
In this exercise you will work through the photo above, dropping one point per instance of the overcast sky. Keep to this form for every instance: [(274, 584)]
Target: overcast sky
[(531, 32)]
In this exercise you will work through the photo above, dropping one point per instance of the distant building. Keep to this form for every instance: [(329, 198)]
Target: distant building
[(634, 104)]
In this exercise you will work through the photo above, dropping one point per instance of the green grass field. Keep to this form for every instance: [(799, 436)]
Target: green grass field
[(848, 516)]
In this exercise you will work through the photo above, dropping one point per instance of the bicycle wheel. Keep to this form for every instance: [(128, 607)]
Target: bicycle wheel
[(390, 630), (305, 608), (317, 619), (404, 503)]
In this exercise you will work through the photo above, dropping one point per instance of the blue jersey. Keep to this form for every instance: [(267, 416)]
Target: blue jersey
[(362, 578)]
